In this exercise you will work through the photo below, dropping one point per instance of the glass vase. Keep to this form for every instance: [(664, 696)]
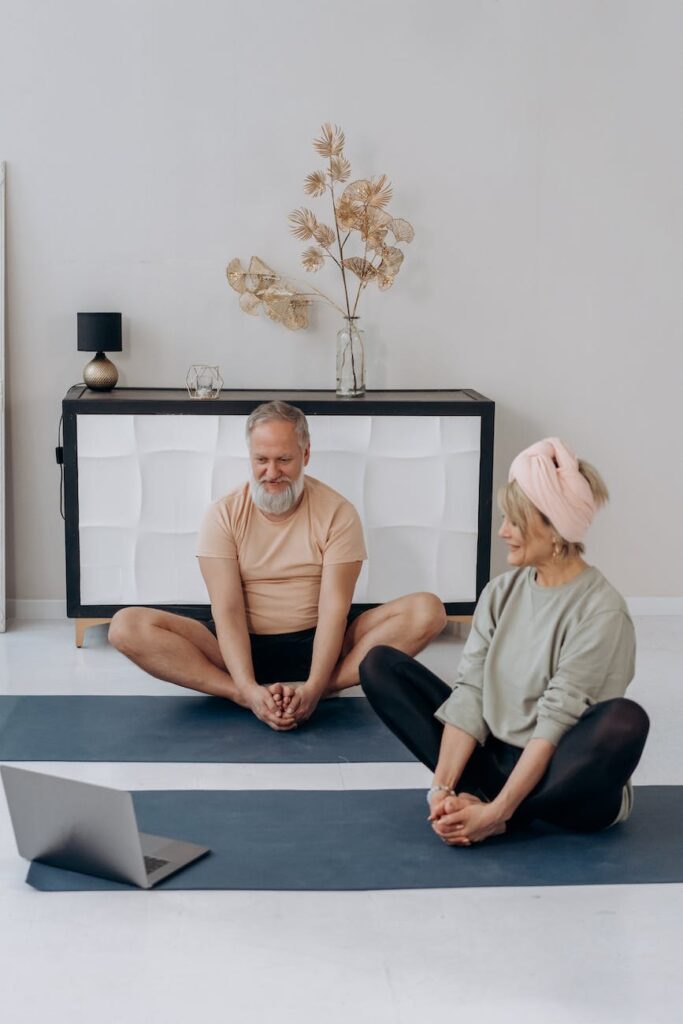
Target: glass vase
[(350, 359)]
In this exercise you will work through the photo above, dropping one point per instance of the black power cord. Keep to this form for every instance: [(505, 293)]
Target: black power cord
[(59, 458)]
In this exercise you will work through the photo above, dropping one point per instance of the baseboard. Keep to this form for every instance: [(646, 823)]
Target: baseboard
[(20, 608)]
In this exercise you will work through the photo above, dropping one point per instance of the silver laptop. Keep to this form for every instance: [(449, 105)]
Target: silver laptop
[(87, 828)]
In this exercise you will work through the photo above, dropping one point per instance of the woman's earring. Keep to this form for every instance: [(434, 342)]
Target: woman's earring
[(557, 548)]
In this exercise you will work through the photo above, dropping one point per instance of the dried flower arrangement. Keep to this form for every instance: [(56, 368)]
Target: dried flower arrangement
[(359, 212)]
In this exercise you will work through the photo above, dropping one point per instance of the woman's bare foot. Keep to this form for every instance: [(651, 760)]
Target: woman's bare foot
[(469, 798), (460, 800), (465, 820)]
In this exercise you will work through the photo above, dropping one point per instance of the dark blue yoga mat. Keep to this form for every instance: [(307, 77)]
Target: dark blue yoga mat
[(380, 839), (187, 729)]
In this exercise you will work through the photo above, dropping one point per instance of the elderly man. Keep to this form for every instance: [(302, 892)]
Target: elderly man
[(280, 557)]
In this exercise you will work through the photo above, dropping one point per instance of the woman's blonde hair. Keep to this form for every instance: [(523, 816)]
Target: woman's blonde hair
[(514, 504)]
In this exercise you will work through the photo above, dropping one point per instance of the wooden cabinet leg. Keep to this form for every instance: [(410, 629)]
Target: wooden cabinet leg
[(459, 620), (82, 625)]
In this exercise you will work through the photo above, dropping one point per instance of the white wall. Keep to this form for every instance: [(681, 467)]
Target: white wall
[(536, 147)]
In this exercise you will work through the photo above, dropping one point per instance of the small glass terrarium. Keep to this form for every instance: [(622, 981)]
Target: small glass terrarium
[(204, 382)]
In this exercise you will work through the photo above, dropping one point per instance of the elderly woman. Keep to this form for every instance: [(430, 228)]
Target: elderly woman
[(536, 726)]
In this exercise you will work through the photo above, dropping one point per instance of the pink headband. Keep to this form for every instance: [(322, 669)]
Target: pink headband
[(548, 473)]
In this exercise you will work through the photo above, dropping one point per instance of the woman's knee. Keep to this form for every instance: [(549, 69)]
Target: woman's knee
[(632, 721), (377, 668), (623, 723)]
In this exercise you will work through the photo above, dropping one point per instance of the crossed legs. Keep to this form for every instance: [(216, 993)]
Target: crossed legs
[(173, 648), (183, 651), (408, 624), (583, 785)]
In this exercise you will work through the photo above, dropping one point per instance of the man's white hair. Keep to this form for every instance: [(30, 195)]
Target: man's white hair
[(280, 411)]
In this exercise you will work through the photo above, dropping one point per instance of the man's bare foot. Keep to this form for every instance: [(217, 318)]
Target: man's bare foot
[(282, 695)]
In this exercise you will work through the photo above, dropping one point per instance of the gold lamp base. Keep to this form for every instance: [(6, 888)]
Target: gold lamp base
[(100, 374)]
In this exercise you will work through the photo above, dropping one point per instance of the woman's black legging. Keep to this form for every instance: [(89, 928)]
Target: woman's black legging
[(582, 787)]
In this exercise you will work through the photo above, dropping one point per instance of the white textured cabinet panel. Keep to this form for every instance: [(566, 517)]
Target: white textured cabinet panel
[(175, 433), (405, 492), (442, 562), (176, 489), (461, 481), (97, 439), (404, 436), (142, 498), (166, 570), (340, 433), (144, 482), (229, 471), (107, 562), (109, 491), (456, 565), (343, 471)]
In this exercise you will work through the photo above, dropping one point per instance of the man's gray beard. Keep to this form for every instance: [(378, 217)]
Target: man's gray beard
[(280, 502)]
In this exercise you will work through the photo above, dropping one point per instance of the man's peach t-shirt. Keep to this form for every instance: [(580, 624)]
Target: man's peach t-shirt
[(281, 562)]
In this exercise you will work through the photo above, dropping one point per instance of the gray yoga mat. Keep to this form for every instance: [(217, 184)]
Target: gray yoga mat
[(380, 839), (203, 729)]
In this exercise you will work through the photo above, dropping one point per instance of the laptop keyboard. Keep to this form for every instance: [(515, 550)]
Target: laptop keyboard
[(152, 863)]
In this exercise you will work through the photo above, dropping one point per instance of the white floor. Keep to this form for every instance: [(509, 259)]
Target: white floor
[(566, 954)]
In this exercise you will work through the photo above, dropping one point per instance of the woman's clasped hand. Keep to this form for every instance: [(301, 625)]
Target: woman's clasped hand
[(464, 819)]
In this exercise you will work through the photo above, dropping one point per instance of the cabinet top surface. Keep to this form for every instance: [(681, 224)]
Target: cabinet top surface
[(82, 399)]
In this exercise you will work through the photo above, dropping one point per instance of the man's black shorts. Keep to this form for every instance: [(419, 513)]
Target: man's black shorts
[(284, 657)]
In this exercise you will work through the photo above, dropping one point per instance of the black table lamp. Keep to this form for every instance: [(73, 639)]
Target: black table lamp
[(100, 332)]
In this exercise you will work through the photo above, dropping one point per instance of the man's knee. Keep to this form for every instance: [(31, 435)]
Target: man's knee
[(126, 629), (427, 614), (376, 668)]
